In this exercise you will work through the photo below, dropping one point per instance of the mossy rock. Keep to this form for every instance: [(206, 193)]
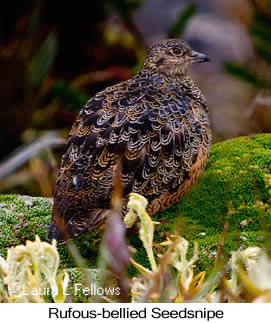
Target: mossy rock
[(233, 188), (22, 217)]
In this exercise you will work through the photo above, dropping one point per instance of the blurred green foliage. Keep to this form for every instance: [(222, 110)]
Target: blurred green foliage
[(70, 98), (183, 18), (260, 31), (42, 61), (124, 7), (244, 73)]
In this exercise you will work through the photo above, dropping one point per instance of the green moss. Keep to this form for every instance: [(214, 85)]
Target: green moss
[(22, 217), (229, 189), (76, 291)]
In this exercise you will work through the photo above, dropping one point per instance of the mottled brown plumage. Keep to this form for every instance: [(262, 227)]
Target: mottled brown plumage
[(155, 127)]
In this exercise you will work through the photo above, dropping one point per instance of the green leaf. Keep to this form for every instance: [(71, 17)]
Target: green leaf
[(263, 49), (124, 7), (180, 24), (42, 60), (261, 31), (72, 98), (243, 73)]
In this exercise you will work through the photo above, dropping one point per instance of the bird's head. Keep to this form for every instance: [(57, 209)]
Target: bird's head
[(172, 57)]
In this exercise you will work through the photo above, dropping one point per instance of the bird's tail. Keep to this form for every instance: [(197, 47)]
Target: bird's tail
[(53, 232), (63, 231)]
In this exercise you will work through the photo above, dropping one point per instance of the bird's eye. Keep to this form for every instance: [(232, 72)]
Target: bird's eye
[(176, 51)]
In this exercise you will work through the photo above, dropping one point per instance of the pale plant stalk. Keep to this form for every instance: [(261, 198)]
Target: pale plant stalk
[(137, 208)]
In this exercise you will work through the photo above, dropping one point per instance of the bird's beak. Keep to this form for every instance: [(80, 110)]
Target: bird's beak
[(197, 57)]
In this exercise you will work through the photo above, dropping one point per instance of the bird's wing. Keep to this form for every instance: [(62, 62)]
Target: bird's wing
[(153, 136)]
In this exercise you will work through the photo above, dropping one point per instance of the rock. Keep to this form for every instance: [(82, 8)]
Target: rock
[(235, 187)]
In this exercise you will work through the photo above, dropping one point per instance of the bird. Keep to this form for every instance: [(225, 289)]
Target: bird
[(154, 127)]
